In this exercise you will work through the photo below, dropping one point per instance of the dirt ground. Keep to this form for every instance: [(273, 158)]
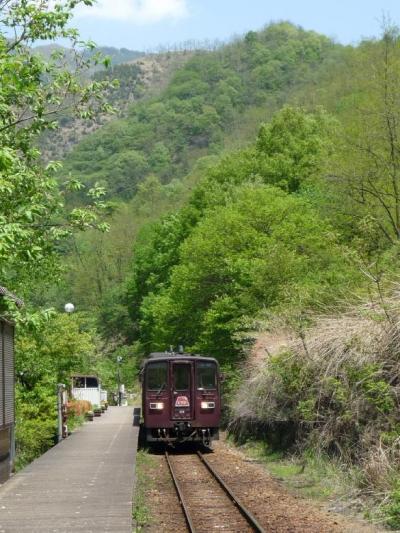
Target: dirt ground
[(274, 506)]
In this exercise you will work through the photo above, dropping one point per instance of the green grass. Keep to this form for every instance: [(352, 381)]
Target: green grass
[(325, 480), (141, 514), (309, 475), (74, 421)]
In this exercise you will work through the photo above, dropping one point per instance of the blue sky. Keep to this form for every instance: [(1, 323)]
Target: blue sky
[(145, 24)]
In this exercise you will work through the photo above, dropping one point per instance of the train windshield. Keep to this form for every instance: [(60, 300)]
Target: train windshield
[(181, 376), (206, 375), (156, 376)]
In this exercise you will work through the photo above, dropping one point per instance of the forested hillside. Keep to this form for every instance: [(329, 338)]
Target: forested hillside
[(166, 135), (142, 76), (215, 102), (239, 192)]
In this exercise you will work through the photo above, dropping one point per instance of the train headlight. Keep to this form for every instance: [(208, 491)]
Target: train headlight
[(207, 405), (157, 406)]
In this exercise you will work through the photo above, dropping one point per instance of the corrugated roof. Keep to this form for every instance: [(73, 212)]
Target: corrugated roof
[(15, 299)]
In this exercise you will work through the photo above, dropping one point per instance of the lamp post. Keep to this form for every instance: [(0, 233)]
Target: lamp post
[(60, 397), (68, 308), (119, 360)]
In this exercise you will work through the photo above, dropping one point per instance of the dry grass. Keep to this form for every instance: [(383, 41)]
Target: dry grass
[(78, 407), (334, 388)]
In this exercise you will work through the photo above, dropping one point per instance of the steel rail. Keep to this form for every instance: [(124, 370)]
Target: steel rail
[(251, 519), (180, 496)]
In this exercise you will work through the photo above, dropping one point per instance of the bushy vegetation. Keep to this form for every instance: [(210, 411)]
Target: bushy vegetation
[(332, 391), (47, 354), (49, 351)]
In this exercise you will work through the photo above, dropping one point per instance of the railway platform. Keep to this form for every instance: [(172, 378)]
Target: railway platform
[(85, 483)]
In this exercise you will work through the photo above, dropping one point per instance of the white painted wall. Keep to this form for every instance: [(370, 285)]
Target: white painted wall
[(92, 395)]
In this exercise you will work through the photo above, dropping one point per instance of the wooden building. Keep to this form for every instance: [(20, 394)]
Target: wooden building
[(7, 390)]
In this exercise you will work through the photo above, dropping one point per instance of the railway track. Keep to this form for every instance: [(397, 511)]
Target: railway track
[(206, 500)]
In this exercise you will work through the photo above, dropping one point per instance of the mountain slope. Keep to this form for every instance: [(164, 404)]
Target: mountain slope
[(142, 77), (116, 55), (201, 104)]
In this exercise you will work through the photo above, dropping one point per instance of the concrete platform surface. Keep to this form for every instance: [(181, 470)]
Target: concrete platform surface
[(85, 483)]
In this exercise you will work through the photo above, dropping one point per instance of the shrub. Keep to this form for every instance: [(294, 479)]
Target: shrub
[(78, 407), (336, 388)]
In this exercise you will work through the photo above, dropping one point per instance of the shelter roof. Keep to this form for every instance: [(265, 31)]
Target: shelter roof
[(5, 292), (84, 376)]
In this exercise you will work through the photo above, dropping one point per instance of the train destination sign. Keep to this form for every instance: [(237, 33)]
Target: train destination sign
[(182, 401)]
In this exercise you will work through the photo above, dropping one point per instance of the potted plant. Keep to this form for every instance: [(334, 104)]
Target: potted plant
[(103, 407), (89, 416), (97, 410)]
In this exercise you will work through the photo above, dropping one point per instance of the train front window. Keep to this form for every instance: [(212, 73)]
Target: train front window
[(206, 375), (181, 377), (156, 376)]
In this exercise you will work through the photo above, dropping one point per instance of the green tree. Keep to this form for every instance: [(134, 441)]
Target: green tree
[(289, 153), (292, 152), (46, 355), (263, 250), (33, 91), (363, 184)]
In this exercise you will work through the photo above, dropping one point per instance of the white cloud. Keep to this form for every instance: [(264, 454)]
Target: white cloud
[(136, 11)]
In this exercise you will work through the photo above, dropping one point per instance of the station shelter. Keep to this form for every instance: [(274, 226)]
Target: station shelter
[(7, 388)]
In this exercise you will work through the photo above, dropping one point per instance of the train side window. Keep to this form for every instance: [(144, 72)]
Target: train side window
[(206, 375), (156, 376)]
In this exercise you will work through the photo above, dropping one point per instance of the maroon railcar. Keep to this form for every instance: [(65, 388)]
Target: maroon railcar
[(181, 398)]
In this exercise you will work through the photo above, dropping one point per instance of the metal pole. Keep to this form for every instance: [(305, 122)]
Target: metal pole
[(12, 450), (119, 359), (119, 385), (60, 387)]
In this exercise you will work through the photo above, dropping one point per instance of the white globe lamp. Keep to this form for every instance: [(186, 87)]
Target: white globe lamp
[(69, 308)]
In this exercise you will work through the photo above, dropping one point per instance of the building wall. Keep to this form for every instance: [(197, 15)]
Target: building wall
[(7, 398), (92, 395), (5, 453)]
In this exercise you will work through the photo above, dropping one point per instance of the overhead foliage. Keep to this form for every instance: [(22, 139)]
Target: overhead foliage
[(34, 223), (369, 169), (47, 354), (33, 90)]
